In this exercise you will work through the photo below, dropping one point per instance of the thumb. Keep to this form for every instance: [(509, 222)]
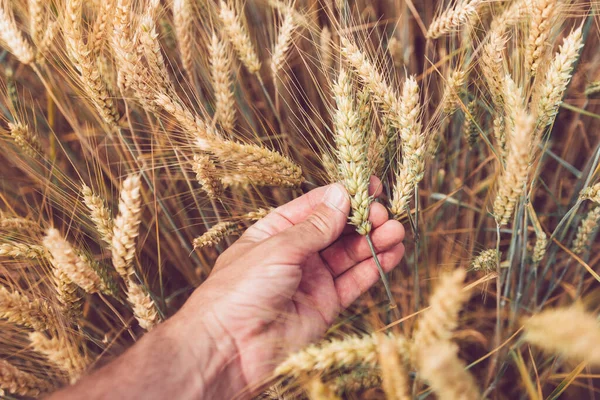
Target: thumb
[(320, 229)]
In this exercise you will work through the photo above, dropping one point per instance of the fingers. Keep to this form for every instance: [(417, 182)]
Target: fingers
[(357, 280), (321, 228), (295, 212), (352, 249)]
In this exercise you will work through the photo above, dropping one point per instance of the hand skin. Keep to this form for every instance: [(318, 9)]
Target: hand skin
[(273, 291)]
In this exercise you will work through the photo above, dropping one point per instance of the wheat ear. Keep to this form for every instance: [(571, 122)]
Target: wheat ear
[(18, 224), (74, 266), (19, 309), (220, 68), (126, 226), (571, 332), (547, 95), (19, 382), (144, 308), (591, 193), (206, 175), (99, 213), (540, 26), (220, 231), (22, 250), (239, 37), (351, 153), (284, 40), (67, 293), (336, 354), (12, 36), (453, 18), (62, 353), (486, 261), (100, 32), (183, 18), (394, 376), (36, 19), (451, 96), (25, 139), (148, 37), (356, 380), (586, 230)]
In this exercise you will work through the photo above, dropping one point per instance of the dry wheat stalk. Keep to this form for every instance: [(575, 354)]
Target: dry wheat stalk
[(21, 250), (452, 18), (451, 96), (394, 376), (486, 261), (586, 230), (446, 374), (351, 145), (317, 390), (206, 175), (540, 26), (220, 68), (84, 62), (514, 176), (283, 42), (336, 354), (239, 37), (183, 22), (12, 36), (383, 94), (144, 308), (325, 50), (25, 139), (19, 382), (99, 213), (571, 332), (548, 94), (126, 226), (19, 309), (74, 266), (412, 167), (61, 352), (438, 322)]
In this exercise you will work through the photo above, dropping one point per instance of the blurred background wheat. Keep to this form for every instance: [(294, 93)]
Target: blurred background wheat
[(140, 137)]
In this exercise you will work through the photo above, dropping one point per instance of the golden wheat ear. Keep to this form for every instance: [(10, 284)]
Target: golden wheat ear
[(18, 382)]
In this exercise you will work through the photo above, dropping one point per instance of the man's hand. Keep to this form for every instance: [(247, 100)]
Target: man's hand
[(286, 279), (276, 289)]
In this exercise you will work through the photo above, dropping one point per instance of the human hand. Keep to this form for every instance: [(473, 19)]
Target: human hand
[(286, 279)]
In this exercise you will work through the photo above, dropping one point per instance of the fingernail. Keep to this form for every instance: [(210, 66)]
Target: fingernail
[(335, 196)]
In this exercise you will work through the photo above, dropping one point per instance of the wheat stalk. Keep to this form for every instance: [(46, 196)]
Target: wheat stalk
[(126, 226), (283, 42), (99, 213), (19, 309), (336, 354), (351, 153), (12, 36), (571, 332), (220, 68), (239, 38), (76, 268), (548, 94), (452, 18), (19, 382), (325, 50), (65, 355)]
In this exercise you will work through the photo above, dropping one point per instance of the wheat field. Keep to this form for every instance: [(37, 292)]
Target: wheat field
[(140, 138)]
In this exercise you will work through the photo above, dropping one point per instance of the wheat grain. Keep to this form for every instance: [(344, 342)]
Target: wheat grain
[(330, 166), (540, 26), (336, 354), (126, 226), (394, 376), (548, 94), (99, 213), (586, 230), (239, 38), (284, 40), (12, 36), (183, 18), (351, 153), (144, 308), (514, 176), (61, 352), (486, 261), (72, 265), (451, 19), (440, 366), (19, 382), (220, 64), (571, 332), (19, 309), (25, 139)]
